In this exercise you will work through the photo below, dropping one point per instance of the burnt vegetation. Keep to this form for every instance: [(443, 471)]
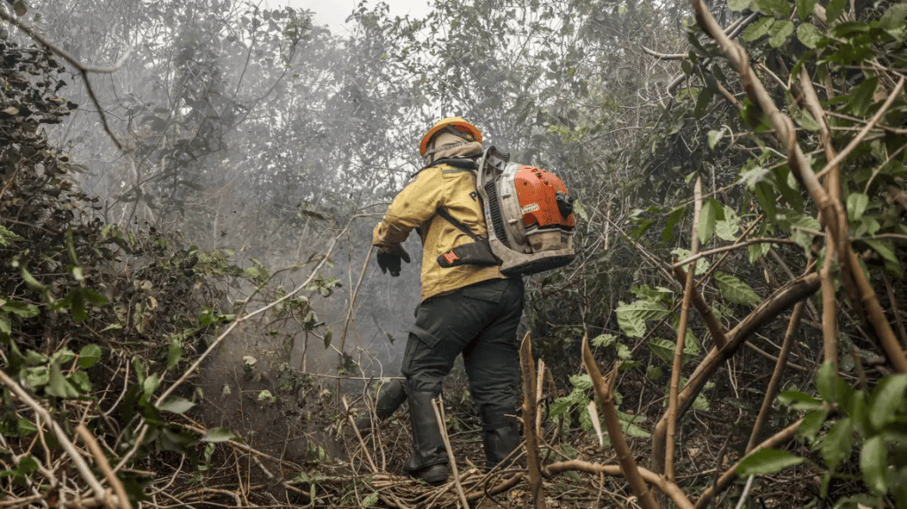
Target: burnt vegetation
[(189, 315)]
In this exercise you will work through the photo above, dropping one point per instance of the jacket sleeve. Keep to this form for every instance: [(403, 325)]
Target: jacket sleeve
[(414, 205)]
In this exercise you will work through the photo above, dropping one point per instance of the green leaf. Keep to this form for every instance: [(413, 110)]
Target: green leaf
[(759, 28), (826, 380), (604, 340), (370, 500), (780, 31), (25, 426), (328, 336), (874, 464), (674, 218), (799, 401), (151, 384), (20, 309), (36, 377), (30, 280), (174, 353), (26, 465), (581, 381), (835, 8), (887, 398), (767, 461), (739, 5), (884, 248), (727, 228), (89, 356), (6, 236), (837, 443), (631, 318), (894, 16), (856, 205), (663, 349), (860, 98), (58, 385), (176, 405), (774, 7), (812, 423), (33, 358), (80, 381), (94, 297), (702, 264), (216, 435), (708, 216), (805, 8), (809, 35), (77, 306), (806, 120), (736, 290), (63, 356), (691, 345), (714, 137), (628, 424), (654, 372), (765, 196), (702, 102)]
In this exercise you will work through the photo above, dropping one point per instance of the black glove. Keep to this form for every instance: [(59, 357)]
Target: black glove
[(389, 259)]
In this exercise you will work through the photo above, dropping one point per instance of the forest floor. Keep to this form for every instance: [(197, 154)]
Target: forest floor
[(299, 447)]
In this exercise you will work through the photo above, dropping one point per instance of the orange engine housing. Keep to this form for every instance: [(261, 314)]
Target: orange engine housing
[(537, 193)]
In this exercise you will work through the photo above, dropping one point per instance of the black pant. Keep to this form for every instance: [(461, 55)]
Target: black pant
[(480, 321)]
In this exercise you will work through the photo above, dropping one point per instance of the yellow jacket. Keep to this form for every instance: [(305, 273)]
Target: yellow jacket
[(415, 206)]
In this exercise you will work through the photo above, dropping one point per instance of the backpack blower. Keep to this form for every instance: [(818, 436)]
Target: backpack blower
[(528, 212)]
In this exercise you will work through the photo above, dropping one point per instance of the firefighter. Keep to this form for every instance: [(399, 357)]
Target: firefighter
[(466, 308)]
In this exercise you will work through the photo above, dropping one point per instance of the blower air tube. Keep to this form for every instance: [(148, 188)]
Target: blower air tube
[(494, 210)]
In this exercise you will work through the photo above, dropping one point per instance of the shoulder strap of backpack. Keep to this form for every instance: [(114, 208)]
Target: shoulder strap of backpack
[(459, 225)]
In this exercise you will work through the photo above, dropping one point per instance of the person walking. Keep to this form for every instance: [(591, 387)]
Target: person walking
[(467, 306)]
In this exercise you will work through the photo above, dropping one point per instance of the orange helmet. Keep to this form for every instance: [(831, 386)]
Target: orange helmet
[(470, 132)]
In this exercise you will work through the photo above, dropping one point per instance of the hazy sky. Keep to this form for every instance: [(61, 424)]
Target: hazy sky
[(333, 12)]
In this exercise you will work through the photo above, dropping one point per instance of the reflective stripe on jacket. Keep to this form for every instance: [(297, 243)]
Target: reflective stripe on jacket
[(415, 206)]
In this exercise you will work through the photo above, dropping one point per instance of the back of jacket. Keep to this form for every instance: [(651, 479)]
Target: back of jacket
[(415, 206)]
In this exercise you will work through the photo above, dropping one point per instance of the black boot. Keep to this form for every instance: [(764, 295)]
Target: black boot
[(390, 397), (499, 444), (429, 459)]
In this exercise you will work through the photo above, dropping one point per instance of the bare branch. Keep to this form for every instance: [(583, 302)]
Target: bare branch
[(668, 488), (529, 403), (677, 365), (104, 465), (605, 393)]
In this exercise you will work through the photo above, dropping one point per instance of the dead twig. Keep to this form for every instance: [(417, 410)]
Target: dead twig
[(104, 465), (529, 403), (349, 417), (722, 249), (605, 392), (711, 321), (668, 488), (438, 405), (677, 365), (60, 435)]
